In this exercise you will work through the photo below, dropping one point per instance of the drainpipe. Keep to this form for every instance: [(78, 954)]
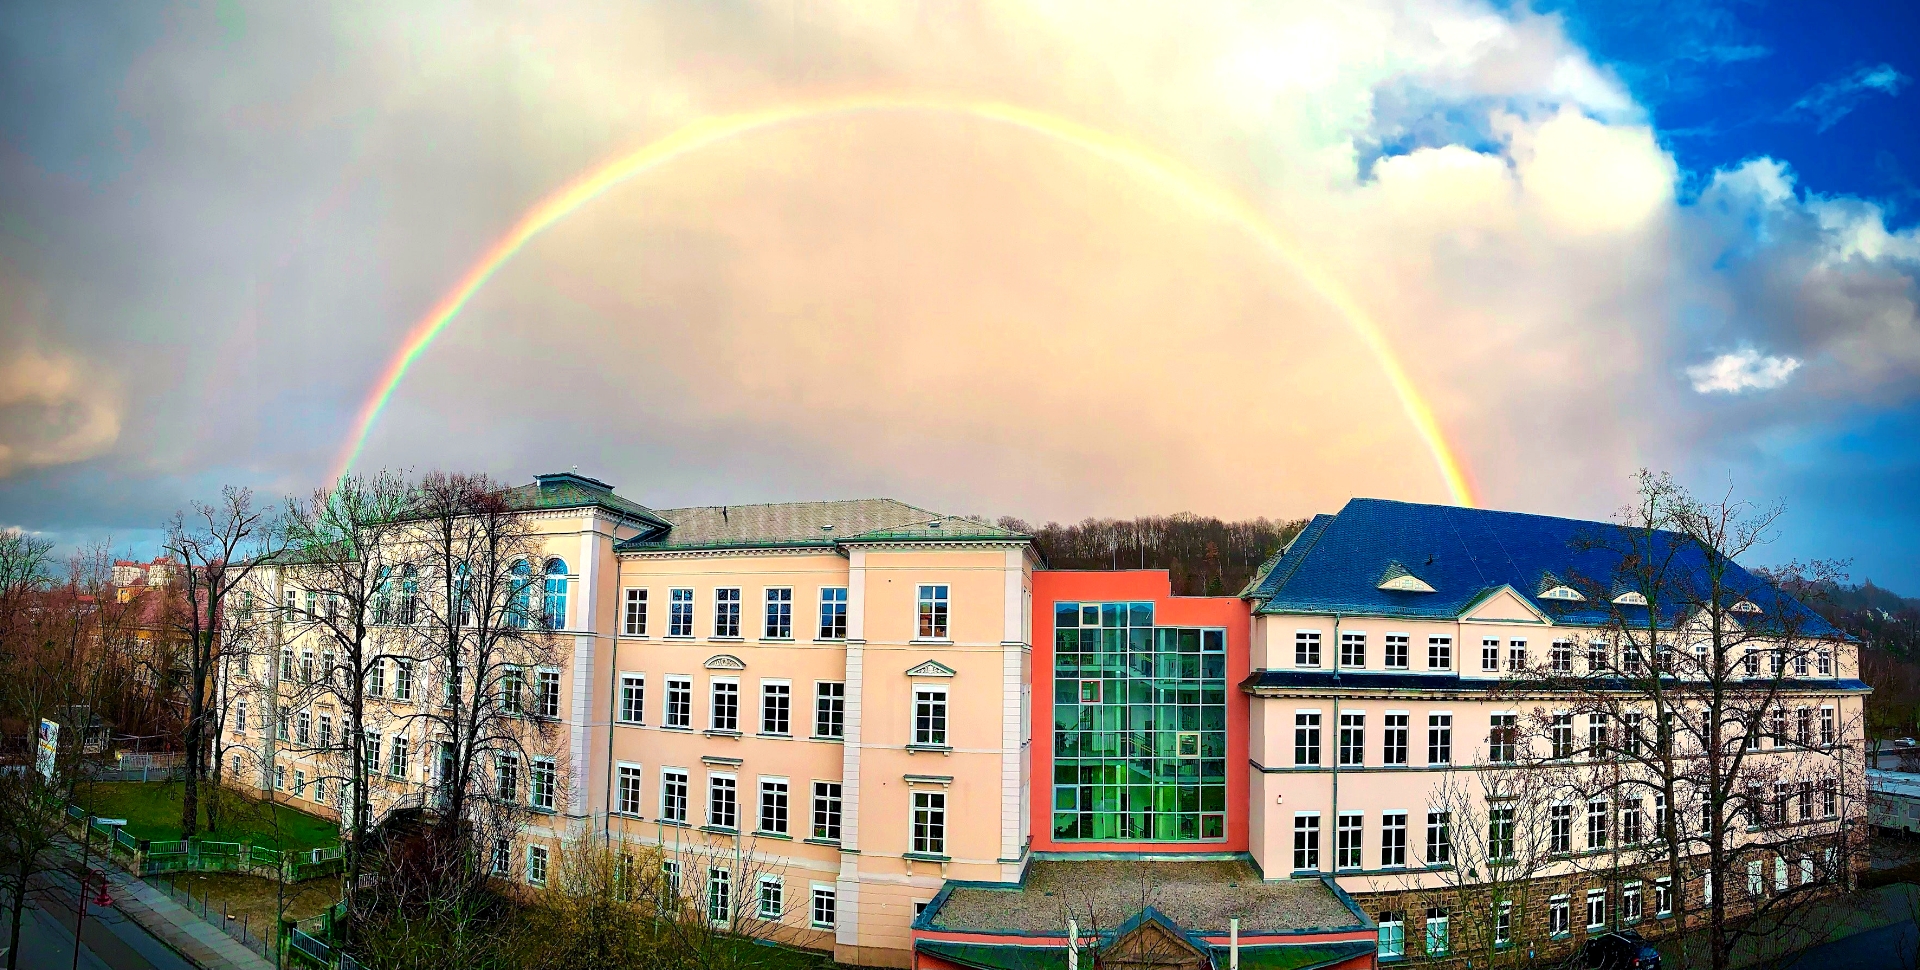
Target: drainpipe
[(1335, 731), (613, 717)]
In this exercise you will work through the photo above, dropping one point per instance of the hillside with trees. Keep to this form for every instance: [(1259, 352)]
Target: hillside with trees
[(1205, 556)]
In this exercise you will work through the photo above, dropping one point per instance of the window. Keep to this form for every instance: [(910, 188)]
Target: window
[(1776, 662), (1306, 648), (1803, 726), (1396, 651), (1503, 923), (633, 698), (1800, 663), (1630, 828), (1501, 736), (779, 625), (679, 612), (1439, 653), (773, 898), (282, 722), (823, 907), (1353, 650), (826, 811), (724, 714), (776, 707), (1560, 657), (1596, 909), (628, 792), (673, 795), (512, 691), (279, 777), (1597, 736), (286, 663), (1630, 656), (1829, 798), (299, 783), (933, 613), (929, 715), (1596, 656), (1559, 916), (397, 756), (1306, 737), (1633, 735), (303, 729), (1597, 824), (1393, 839), (833, 613), (930, 822), (1393, 934), (1353, 738), (1490, 654), (1663, 897), (1436, 930), (726, 613), (1777, 726), (506, 777), (829, 709), (1826, 726), (1394, 751), (1346, 848), (1439, 838), (306, 666), (670, 879), (1825, 660), (773, 805), (634, 621), (554, 609), (1439, 739), (326, 728), (1516, 656), (1560, 829), (502, 856), (547, 693), (723, 802), (542, 782), (537, 865), (679, 702), (1560, 737), (719, 894), (240, 716), (1500, 833), (1306, 842)]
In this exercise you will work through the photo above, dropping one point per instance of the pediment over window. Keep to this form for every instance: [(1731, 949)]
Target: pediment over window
[(931, 668), (1399, 578), (1503, 605), (725, 661), (1746, 606)]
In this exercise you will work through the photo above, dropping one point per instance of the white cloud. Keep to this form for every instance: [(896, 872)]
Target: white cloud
[(1743, 370), (1833, 100)]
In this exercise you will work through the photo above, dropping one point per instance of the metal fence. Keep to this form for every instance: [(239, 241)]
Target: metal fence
[(240, 929)]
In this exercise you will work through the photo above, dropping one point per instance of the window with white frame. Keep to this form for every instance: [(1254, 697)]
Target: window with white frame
[(1560, 737), (1503, 732), (1824, 658), (1559, 916), (303, 727), (1490, 654), (932, 613), (1439, 739), (1597, 823), (1306, 841), (930, 822), (829, 709), (1503, 923), (1500, 833), (673, 795), (719, 894), (680, 612), (726, 613), (513, 690), (776, 707), (1596, 656), (240, 716), (1394, 750), (1306, 648), (725, 710), (633, 621), (1631, 829), (1630, 903), (1516, 655), (542, 779), (1347, 841), (679, 713), (1439, 653), (506, 777), (501, 862), (633, 698), (773, 898), (536, 865), (1663, 896), (1353, 737), (723, 801), (826, 811), (1395, 657), (1353, 650), (1826, 726), (1560, 829), (1439, 838), (1803, 726), (1633, 731), (397, 756), (1393, 839), (773, 805), (1393, 934), (1437, 938), (1597, 739), (929, 715), (627, 791), (1596, 909), (547, 693), (779, 618), (1306, 737), (833, 613), (1560, 657), (825, 915)]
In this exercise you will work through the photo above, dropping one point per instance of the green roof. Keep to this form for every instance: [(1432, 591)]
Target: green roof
[(989, 956), (567, 490), (788, 525)]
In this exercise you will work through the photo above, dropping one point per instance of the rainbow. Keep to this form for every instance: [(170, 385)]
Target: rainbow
[(1172, 176)]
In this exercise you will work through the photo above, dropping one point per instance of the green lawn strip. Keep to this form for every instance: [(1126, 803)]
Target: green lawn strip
[(152, 811)]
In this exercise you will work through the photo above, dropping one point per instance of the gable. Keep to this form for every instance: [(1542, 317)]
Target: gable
[(1503, 606), (930, 668), (1153, 945)]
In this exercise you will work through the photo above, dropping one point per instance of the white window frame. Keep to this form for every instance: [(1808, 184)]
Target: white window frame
[(761, 790), (938, 702), (629, 601), (1306, 649), (1559, 916), (714, 707), (714, 778), (1599, 895), (824, 630), (1313, 848), (834, 799), (670, 777), (723, 597), (936, 817), (779, 897), (768, 689), (625, 771), (1350, 821), (1402, 640), (633, 684), (681, 604), (539, 852), (936, 600), (683, 685), (823, 702), (767, 604), (831, 894)]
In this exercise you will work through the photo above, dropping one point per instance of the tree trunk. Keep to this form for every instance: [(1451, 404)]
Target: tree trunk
[(19, 909)]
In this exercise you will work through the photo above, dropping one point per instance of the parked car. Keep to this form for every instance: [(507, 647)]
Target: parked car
[(1904, 742), (1619, 950)]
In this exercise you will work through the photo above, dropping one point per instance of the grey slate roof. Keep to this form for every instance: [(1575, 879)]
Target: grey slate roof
[(808, 524), (1200, 897)]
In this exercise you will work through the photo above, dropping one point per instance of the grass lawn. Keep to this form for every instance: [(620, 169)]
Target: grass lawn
[(152, 811)]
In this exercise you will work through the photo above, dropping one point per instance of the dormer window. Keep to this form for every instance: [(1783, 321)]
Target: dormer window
[(1746, 606), (1398, 578), (1567, 593), (1630, 599)]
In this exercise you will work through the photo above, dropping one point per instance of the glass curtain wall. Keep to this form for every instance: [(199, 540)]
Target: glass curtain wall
[(1139, 727)]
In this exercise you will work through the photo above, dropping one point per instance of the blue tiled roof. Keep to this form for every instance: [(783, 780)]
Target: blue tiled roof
[(1282, 679), (1336, 565)]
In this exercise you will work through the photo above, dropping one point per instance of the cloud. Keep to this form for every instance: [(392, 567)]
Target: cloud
[(1743, 370), (1830, 101), (50, 414)]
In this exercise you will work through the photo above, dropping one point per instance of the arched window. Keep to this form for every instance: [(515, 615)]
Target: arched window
[(382, 597), (409, 593), (519, 613), (556, 606)]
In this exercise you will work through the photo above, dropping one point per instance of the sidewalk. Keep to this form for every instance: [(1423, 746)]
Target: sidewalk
[(205, 945)]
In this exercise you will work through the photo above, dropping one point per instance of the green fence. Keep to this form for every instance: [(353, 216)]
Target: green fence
[(206, 855)]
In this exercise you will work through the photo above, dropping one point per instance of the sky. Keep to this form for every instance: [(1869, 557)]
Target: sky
[(1581, 239)]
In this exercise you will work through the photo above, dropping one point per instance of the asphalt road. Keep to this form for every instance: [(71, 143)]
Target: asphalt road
[(110, 941), (1887, 948)]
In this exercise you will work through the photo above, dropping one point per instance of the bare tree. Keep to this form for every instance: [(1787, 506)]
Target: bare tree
[(218, 545)]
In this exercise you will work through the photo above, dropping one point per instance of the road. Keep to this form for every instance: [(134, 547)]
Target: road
[(110, 940), (1887, 948)]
